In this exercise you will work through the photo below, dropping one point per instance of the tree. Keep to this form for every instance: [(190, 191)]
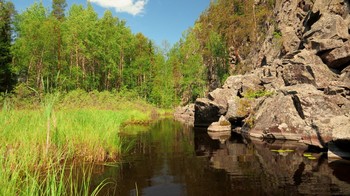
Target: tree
[(6, 76), (58, 8), (189, 73), (34, 48), (57, 52)]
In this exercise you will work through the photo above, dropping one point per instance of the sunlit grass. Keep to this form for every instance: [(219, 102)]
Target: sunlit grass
[(36, 143)]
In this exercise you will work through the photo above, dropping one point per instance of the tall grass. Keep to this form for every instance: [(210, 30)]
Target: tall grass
[(79, 126)]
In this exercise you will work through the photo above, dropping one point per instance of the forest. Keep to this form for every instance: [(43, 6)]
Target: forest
[(62, 49)]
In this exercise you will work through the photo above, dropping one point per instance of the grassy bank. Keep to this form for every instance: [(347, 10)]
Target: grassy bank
[(39, 135)]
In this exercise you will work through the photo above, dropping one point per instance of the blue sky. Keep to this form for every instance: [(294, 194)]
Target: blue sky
[(157, 19)]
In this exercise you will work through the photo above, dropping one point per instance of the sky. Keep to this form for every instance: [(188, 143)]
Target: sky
[(159, 20)]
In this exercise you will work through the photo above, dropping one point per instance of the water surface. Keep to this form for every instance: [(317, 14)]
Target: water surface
[(172, 159)]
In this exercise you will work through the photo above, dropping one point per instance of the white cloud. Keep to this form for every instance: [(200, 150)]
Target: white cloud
[(133, 7)]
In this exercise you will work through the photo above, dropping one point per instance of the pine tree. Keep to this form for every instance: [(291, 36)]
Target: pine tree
[(6, 76), (58, 8)]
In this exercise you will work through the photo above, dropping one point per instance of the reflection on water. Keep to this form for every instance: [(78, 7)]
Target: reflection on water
[(170, 159)]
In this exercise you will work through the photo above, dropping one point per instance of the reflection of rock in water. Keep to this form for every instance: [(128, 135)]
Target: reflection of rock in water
[(231, 157), (295, 170), (221, 136), (203, 144), (279, 168)]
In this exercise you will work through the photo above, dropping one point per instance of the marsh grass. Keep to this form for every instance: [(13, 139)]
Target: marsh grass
[(78, 126)]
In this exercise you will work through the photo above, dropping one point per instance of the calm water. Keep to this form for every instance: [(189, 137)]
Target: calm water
[(172, 159)]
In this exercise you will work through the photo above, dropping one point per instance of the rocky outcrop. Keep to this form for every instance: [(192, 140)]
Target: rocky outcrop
[(300, 89), (208, 110)]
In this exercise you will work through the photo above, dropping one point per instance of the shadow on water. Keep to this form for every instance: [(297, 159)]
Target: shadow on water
[(172, 159)]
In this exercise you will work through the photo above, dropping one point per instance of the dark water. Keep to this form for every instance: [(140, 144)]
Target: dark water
[(171, 159)]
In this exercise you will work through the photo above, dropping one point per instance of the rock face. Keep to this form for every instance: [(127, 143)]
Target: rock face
[(302, 113), (302, 89)]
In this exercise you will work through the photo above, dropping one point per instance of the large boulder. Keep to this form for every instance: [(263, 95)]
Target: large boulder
[(290, 40), (207, 111), (278, 118), (298, 74), (322, 45), (237, 110), (329, 26), (243, 83), (336, 7), (303, 113), (221, 96), (339, 57)]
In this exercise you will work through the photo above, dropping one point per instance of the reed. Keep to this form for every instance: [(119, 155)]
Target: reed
[(37, 143)]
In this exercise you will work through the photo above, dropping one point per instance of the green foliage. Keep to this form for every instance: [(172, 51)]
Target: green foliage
[(188, 71), (245, 110), (250, 120), (250, 94), (277, 35), (244, 107), (277, 39), (6, 75), (58, 7), (53, 52), (225, 123)]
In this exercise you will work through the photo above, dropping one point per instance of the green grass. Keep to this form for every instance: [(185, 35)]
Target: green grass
[(39, 139), (250, 94)]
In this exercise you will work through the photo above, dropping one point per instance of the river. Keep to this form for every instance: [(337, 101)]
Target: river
[(169, 158)]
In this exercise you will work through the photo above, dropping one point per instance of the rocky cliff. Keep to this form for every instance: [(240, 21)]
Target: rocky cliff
[(299, 88)]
